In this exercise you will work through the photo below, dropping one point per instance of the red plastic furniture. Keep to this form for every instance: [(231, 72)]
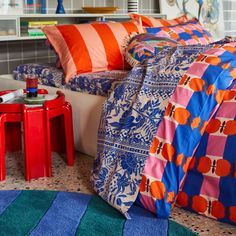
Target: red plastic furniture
[(8, 123), (48, 127)]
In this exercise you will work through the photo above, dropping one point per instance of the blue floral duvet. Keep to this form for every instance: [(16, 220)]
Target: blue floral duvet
[(101, 83)]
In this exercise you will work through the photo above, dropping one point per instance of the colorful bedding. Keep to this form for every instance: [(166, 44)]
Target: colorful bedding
[(129, 121), (100, 83), (189, 81), (210, 185)]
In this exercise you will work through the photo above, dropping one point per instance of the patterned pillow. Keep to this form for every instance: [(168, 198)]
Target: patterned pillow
[(144, 46), (190, 33), (148, 21), (90, 47), (210, 186)]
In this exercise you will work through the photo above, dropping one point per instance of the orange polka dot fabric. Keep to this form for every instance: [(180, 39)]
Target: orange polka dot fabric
[(210, 185), (197, 96), (189, 33), (148, 21)]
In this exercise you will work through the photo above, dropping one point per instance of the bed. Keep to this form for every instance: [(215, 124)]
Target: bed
[(156, 120), (86, 93), (147, 142)]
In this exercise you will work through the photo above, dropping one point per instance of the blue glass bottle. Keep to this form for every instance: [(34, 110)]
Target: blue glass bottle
[(60, 8)]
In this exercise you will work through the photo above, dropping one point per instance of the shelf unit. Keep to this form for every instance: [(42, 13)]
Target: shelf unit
[(11, 30)]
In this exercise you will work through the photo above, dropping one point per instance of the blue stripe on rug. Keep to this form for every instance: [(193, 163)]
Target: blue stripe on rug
[(64, 215), (144, 222), (6, 198)]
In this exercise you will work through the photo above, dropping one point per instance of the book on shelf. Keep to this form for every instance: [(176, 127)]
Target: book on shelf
[(35, 27), (34, 24)]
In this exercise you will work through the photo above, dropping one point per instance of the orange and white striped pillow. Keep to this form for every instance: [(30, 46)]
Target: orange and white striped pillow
[(148, 21), (90, 47)]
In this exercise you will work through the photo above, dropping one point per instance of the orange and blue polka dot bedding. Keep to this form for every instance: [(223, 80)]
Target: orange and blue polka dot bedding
[(99, 83), (210, 185), (197, 96), (190, 33)]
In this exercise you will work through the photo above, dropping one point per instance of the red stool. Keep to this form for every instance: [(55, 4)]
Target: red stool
[(8, 119), (53, 124), (38, 124)]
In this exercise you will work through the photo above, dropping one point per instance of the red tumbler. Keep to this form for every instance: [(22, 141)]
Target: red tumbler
[(31, 87)]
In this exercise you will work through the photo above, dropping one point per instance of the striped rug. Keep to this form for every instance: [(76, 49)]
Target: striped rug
[(52, 213)]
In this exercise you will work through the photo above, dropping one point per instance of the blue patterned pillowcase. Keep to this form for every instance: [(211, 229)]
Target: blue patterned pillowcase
[(145, 46), (190, 33)]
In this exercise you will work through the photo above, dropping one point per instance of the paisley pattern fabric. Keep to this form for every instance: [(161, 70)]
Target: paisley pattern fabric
[(100, 83), (144, 46), (129, 121), (210, 185), (198, 94)]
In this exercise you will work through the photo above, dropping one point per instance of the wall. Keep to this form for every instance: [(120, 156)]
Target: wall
[(35, 51), (192, 7), (29, 51)]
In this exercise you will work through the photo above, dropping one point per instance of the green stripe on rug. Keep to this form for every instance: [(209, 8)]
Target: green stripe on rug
[(25, 212), (100, 219), (176, 229)]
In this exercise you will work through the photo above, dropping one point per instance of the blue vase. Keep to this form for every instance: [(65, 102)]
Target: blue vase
[(60, 8)]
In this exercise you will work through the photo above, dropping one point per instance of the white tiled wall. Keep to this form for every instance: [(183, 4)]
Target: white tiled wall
[(145, 6)]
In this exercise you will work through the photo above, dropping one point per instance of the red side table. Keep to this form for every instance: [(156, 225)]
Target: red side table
[(46, 128)]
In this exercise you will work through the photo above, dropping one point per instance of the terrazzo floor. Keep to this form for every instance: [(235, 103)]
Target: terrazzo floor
[(76, 178)]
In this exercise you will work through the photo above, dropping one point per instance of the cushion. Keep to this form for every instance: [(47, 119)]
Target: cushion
[(148, 21), (190, 33), (210, 186), (90, 47), (144, 46)]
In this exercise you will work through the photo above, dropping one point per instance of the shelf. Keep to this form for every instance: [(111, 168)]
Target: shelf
[(61, 18), (84, 15), (13, 38)]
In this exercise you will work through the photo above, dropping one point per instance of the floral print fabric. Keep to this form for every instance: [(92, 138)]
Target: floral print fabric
[(100, 83), (129, 121)]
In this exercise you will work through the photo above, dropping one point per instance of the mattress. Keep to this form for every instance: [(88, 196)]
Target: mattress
[(100, 83)]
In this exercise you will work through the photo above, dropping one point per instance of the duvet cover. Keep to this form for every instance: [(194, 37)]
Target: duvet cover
[(153, 122)]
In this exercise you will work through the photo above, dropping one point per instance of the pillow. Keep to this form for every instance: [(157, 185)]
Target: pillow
[(144, 46), (148, 21), (210, 185), (90, 47), (190, 33)]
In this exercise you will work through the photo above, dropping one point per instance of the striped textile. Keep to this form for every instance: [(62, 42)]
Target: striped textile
[(190, 33), (49, 213), (90, 47), (148, 21), (210, 185), (199, 93)]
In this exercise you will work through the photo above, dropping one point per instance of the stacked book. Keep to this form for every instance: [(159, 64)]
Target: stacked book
[(35, 27)]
